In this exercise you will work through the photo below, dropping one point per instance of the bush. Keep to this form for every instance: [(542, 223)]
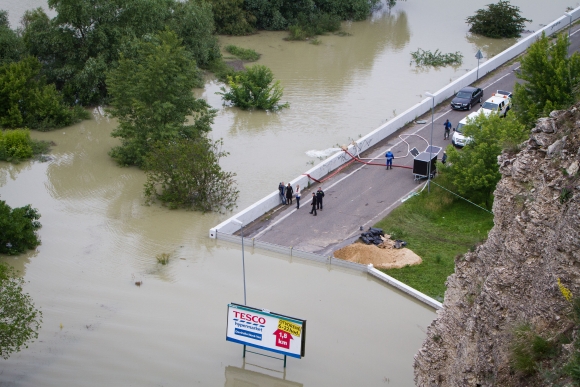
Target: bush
[(18, 229), (19, 319), (501, 20), (15, 144), (186, 173), (528, 349), (436, 59), (254, 89), (27, 101), (243, 53)]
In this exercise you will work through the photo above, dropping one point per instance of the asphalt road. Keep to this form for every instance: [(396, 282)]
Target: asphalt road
[(361, 195)]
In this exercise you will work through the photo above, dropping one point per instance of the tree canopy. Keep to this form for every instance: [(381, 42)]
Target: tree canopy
[(151, 95), (501, 20), (18, 229), (550, 77), (241, 17), (11, 45), (19, 319), (473, 171), (27, 101), (186, 173), (82, 43), (253, 88)]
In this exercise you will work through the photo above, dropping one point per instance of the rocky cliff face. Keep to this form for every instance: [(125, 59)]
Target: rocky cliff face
[(511, 279)]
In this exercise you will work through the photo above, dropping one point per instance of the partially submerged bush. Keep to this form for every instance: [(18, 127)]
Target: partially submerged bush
[(254, 88), (18, 229), (436, 59), (243, 53), (501, 20)]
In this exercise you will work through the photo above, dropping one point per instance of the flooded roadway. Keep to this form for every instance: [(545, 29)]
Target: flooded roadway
[(99, 239)]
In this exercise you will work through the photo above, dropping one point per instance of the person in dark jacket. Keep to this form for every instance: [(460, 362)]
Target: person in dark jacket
[(319, 196), (282, 189), (314, 201), (447, 125), (390, 156), (444, 158), (289, 194)]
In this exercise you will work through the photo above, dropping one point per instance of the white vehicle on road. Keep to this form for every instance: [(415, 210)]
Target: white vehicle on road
[(458, 139), (499, 104)]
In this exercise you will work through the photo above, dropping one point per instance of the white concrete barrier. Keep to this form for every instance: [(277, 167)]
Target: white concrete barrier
[(404, 288), (270, 202)]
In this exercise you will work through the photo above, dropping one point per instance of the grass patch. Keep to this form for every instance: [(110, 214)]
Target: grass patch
[(437, 227), (436, 59), (163, 258), (221, 70), (243, 53)]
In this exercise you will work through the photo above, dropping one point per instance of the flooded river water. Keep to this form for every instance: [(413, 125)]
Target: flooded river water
[(98, 238)]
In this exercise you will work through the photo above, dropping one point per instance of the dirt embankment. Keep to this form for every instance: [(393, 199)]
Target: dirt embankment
[(387, 258)]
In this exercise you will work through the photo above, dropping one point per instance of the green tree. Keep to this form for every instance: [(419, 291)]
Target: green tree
[(82, 43), (501, 20), (186, 173), (550, 76), (27, 101), (253, 88), (18, 229), (11, 45), (231, 18), (151, 95), (19, 319), (473, 171)]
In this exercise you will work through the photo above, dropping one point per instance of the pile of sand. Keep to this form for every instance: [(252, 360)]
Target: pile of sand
[(380, 258)]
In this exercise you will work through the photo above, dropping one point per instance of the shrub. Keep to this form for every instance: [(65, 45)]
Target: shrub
[(15, 144), (528, 349), (243, 53), (19, 319), (501, 20), (186, 173), (254, 89), (18, 229), (436, 59)]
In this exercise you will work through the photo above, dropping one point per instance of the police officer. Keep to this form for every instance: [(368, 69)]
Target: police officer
[(319, 196), (314, 201)]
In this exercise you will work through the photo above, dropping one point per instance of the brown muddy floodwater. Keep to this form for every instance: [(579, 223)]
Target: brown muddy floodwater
[(98, 238)]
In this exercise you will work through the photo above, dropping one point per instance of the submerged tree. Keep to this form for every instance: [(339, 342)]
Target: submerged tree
[(550, 77), (152, 97), (19, 319), (501, 20), (18, 228), (253, 88), (186, 173)]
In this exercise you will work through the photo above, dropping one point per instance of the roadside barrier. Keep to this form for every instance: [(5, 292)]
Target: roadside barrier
[(330, 260), (335, 163)]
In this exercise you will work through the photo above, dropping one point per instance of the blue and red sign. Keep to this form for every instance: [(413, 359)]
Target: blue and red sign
[(266, 330)]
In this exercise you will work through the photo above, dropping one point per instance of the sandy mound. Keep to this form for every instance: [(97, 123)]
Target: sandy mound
[(380, 258)]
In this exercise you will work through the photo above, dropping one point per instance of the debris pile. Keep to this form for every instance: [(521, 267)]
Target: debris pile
[(377, 237)]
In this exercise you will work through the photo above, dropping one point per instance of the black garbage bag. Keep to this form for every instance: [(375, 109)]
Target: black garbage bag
[(365, 240), (376, 231)]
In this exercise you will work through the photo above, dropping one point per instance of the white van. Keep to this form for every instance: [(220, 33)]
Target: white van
[(458, 139), (498, 104)]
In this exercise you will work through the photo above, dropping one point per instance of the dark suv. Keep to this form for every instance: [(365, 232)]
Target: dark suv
[(466, 98)]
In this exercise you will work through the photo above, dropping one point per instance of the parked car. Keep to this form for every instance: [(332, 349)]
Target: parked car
[(458, 139), (503, 92), (466, 98), (496, 104)]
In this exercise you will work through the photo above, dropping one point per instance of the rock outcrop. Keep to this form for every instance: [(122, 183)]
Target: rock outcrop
[(512, 278)]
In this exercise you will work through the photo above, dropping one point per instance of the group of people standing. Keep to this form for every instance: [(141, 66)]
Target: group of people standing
[(287, 193)]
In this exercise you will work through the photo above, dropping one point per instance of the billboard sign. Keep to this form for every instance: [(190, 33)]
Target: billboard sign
[(266, 330)]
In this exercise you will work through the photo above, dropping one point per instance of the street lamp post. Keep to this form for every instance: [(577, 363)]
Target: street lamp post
[(479, 56), (569, 28), (431, 142), (243, 261), (569, 25)]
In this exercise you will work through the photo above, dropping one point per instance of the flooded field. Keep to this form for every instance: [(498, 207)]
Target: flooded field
[(98, 238)]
